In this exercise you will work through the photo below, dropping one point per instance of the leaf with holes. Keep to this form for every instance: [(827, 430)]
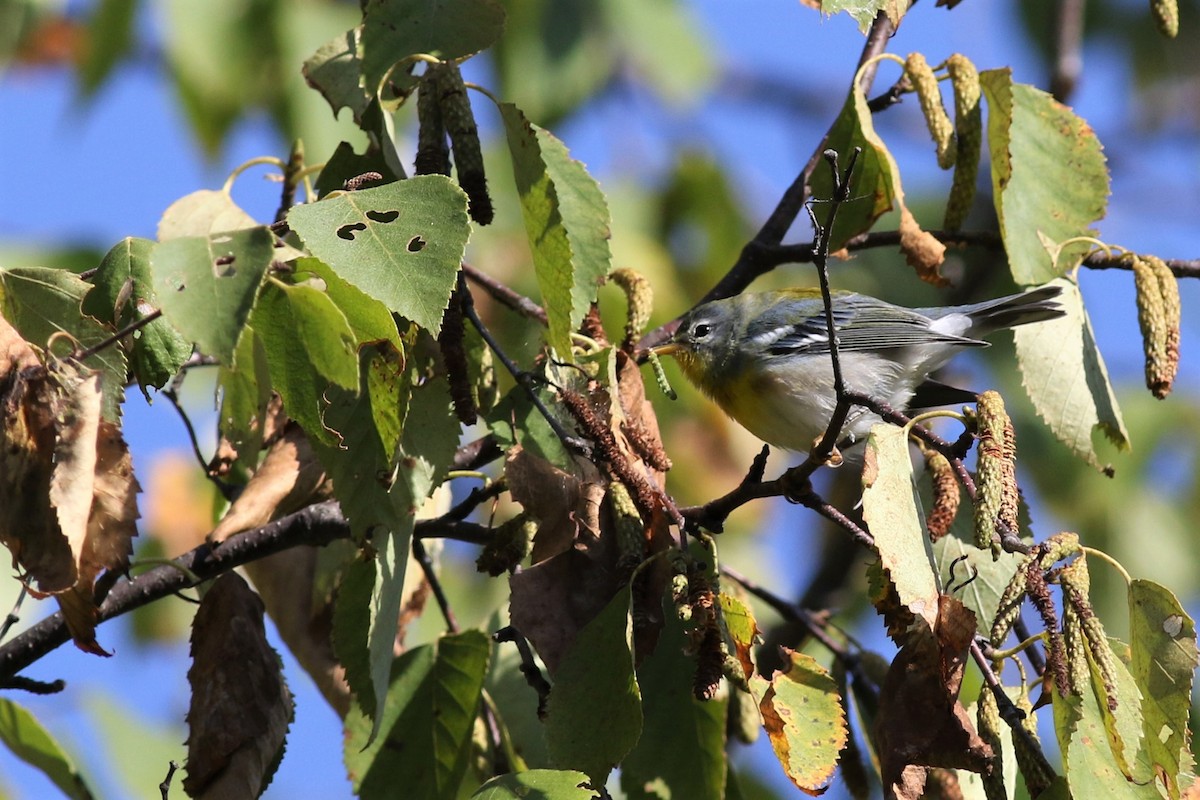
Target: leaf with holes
[(393, 30), (401, 243), (566, 221), (207, 284), (42, 303), (122, 294)]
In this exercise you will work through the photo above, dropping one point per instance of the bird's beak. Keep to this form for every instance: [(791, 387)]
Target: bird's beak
[(668, 349)]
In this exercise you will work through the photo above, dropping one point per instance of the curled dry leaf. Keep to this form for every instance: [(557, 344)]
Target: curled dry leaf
[(241, 707), (67, 495), (921, 723), (565, 507), (289, 478)]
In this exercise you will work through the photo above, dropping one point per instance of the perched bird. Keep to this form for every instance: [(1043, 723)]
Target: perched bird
[(764, 357)]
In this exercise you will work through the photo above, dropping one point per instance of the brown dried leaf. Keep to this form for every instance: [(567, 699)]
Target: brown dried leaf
[(566, 508), (552, 601), (111, 526), (77, 418), (241, 708), (289, 478), (921, 723)]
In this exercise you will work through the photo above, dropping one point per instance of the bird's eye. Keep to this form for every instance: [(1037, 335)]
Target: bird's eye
[(700, 331)]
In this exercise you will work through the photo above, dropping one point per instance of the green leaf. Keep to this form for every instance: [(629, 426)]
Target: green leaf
[(987, 577), (1065, 377), (515, 420), (207, 284), (335, 71), (865, 11), (401, 243), (369, 319), (41, 302), (875, 185), (345, 164), (890, 510), (432, 697), (33, 744), (1163, 662), (566, 220), (451, 30), (110, 38), (351, 624), (122, 294), (361, 469), (596, 673), (536, 784), (309, 345), (1049, 179), (203, 212), (803, 717), (245, 390), (682, 746), (1090, 767)]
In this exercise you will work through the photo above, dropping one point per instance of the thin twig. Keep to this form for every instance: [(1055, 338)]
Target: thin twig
[(523, 378), (104, 344), (1011, 715), (529, 667), (473, 455), (14, 615), (172, 395), (293, 172), (504, 295), (21, 683), (422, 556), (165, 786)]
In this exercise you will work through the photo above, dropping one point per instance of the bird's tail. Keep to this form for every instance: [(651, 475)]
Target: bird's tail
[(1036, 305)]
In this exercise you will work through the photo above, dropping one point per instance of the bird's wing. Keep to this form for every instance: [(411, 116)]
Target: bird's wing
[(862, 323)]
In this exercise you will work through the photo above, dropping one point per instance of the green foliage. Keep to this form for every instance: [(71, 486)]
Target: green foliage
[(29, 741), (122, 294), (433, 694), (566, 219), (596, 673), (1049, 179), (208, 284), (400, 243), (536, 784), (1064, 374)]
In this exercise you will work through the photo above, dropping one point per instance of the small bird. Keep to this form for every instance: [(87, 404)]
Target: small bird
[(764, 357)]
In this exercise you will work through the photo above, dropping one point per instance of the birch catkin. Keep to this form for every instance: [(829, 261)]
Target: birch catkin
[(968, 128), (920, 74)]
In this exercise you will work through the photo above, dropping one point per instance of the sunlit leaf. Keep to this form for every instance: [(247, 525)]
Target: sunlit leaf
[(1064, 374), (448, 29), (309, 346), (207, 284), (1049, 179), (400, 243), (122, 294), (550, 784), (865, 11), (890, 510), (566, 220), (1163, 662)]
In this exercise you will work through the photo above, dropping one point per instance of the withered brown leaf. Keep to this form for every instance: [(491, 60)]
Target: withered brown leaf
[(241, 707)]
